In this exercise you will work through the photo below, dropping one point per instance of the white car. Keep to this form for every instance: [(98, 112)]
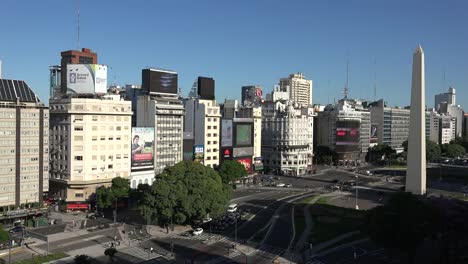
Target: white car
[(206, 220), (232, 208), (280, 184), (197, 231)]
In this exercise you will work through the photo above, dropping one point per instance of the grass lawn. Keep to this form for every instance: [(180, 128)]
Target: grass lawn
[(4, 236), (306, 200), (43, 259), (331, 221)]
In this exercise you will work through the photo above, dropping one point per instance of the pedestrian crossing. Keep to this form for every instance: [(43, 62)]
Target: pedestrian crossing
[(202, 237), (139, 252), (315, 261)]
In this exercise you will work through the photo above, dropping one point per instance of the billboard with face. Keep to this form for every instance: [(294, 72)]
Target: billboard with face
[(142, 147), (226, 133), (86, 78)]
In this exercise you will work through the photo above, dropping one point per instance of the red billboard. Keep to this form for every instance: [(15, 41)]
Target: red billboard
[(247, 162)]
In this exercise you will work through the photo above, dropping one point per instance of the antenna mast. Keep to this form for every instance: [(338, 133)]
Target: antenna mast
[(78, 25), (375, 79), (346, 88)]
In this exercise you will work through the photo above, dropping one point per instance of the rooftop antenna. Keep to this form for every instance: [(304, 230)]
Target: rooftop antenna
[(346, 88), (328, 95), (445, 83), (375, 79), (78, 25)]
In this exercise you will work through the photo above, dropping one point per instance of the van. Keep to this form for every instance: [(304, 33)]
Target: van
[(232, 208)]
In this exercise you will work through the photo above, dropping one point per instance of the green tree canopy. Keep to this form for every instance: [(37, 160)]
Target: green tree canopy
[(110, 252), (231, 171), (184, 193), (120, 187), (453, 150), (106, 195), (324, 155), (433, 150), (380, 153)]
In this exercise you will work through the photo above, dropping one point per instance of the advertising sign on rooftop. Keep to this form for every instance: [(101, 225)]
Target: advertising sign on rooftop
[(86, 79)]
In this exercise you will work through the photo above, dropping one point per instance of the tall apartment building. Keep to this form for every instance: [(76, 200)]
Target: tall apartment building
[(432, 125), (24, 146), (90, 144), (447, 129), (299, 89), (465, 126), (454, 111), (345, 128), (55, 77), (166, 114), (287, 137), (85, 56), (202, 128), (389, 124), (449, 98)]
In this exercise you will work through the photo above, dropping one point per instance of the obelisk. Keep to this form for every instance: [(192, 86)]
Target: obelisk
[(416, 162)]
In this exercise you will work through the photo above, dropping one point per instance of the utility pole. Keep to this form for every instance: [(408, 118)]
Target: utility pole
[(357, 206)]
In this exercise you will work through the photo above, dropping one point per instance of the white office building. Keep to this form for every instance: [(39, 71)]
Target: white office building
[(298, 88)]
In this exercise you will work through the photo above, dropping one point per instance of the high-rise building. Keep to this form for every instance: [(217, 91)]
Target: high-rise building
[(432, 126), (299, 89), (447, 129), (202, 130), (90, 144), (416, 172), (465, 126), (132, 92), (456, 112), (389, 125), (24, 146), (55, 81), (345, 128), (85, 56), (449, 98), (287, 137)]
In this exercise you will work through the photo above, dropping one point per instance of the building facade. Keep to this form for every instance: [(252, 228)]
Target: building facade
[(432, 126), (449, 98), (85, 56), (390, 124), (465, 126), (447, 129), (90, 144), (166, 114), (24, 148), (299, 89)]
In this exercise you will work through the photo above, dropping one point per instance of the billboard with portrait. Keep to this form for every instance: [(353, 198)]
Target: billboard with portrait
[(142, 147), (243, 134), (86, 78), (226, 132), (347, 136), (198, 153)]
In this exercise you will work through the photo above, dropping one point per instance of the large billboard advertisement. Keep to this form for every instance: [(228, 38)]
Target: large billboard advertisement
[(198, 153), (159, 81), (226, 133), (373, 134), (251, 95), (258, 163), (247, 162), (86, 78), (347, 136), (243, 134), (225, 154), (142, 147)]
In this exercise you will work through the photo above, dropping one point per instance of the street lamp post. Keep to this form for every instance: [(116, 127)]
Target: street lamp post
[(236, 233), (357, 206)]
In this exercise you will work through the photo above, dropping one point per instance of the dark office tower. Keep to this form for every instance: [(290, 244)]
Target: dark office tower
[(158, 81), (85, 56), (206, 87)]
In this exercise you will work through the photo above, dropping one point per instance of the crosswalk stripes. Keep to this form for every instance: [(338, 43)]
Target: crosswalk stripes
[(315, 261), (202, 237), (139, 253)]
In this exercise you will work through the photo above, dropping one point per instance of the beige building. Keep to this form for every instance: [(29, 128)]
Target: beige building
[(300, 89), (90, 142), (24, 133), (202, 127)]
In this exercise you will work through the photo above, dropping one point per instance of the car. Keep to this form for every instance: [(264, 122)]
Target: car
[(197, 231), (280, 184), (207, 220), (232, 208), (369, 173), (17, 229), (288, 185)]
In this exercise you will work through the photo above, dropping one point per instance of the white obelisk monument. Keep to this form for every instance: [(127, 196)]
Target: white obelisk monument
[(416, 172)]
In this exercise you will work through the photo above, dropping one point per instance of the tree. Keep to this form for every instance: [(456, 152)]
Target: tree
[(120, 187), (453, 150), (105, 197), (403, 223), (82, 259), (324, 155), (432, 149), (380, 153), (110, 252), (184, 193), (231, 171)]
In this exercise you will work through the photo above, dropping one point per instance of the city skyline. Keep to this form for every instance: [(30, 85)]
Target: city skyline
[(223, 41)]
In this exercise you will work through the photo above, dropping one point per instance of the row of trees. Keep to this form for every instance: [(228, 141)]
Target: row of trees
[(182, 194)]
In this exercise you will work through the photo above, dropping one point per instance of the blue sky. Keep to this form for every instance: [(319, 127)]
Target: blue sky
[(247, 42)]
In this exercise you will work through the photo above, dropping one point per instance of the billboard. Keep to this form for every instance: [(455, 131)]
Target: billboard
[(347, 136), (226, 133), (258, 163), (159, 81), (142, 147), (243, 134), (206, 87), (226, 154), (373, 134), (86, 78), (251, 95), (247, 162), (242, 152), (198, 153)]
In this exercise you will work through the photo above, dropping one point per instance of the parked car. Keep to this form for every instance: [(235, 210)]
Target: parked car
[(197, 231), (232, 208), (207, 220), (280, 184)]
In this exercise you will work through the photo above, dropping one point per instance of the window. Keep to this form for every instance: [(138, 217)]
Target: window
[(78, 128), (94, 157), (110, 166), (111, 138), (209, 127), (118, 128), (78, 157), (95, 118), (103, 137), (78, 138), (79, 195), (94, 138), (94, 128)]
